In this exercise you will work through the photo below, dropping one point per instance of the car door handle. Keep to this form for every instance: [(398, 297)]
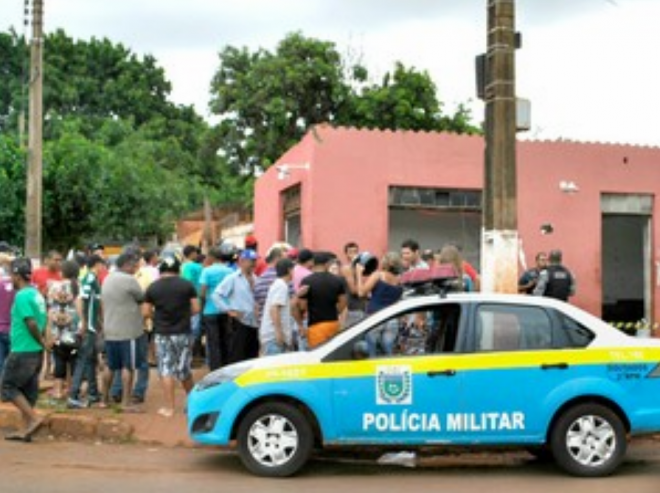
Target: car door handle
[(443, 373), (554, 366)]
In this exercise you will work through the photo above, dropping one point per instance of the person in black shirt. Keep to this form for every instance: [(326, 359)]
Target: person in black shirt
[(556, 281), (171, 301), (323, 298)]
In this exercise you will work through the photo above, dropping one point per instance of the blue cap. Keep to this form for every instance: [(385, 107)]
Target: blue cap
[(248, 254)]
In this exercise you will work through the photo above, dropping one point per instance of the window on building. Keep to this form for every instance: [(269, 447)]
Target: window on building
[(291, 213), (435, 198)]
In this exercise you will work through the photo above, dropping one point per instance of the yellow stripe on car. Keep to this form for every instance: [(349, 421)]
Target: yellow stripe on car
[(465, 362)]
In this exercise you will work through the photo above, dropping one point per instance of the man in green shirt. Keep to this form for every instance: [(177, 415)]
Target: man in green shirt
[(89, 308), (20, 378), (191, 270)]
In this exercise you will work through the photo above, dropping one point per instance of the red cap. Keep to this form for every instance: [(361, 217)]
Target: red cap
[(293, 253), (250, 241)]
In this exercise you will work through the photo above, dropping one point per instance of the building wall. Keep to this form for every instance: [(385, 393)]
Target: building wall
[(345, 191)]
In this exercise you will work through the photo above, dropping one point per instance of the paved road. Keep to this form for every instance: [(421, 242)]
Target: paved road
[(83, 467)]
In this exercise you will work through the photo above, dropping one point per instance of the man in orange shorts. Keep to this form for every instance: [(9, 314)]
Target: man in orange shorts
[(323, 298)]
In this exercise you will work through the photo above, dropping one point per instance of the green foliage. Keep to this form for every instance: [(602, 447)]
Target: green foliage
[(267, 101), (12, 191), (101, 78), (404, 100), (120, 159), (122, 185)]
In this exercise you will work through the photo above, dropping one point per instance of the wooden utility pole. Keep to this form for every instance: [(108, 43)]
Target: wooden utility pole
[(500, 222), (33, 206)]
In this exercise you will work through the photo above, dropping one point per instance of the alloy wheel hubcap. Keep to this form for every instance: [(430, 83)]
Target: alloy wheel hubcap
[(591, 441), (272, 440)]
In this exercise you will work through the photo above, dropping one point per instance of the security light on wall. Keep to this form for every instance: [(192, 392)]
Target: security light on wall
[(284, 170), (568, 186)]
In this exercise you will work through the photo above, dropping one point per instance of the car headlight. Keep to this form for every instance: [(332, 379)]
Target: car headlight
[(222, 375)]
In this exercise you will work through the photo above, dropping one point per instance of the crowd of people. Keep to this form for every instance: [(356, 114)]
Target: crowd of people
[(96, 329)]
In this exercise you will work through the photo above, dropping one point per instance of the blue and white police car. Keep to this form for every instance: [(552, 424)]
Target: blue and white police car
[(466, 369)]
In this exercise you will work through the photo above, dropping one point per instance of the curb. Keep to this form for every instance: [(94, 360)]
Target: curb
[(63, 425)]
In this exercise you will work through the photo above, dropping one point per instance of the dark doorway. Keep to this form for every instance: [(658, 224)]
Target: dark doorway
[(626, 267)]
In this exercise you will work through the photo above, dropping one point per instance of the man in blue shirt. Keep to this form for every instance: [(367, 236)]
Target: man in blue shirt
[(235, 295), (213, 318)]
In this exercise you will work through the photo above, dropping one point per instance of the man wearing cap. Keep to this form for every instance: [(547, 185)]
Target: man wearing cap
[(20, 376), (251, 243), (323, 298), (171, 301), (555, 281), (235, 296)]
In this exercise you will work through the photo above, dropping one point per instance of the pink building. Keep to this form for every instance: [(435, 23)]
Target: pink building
[(380, 187)]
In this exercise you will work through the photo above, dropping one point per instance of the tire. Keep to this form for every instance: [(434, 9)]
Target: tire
[(275, 440), (589, 440)]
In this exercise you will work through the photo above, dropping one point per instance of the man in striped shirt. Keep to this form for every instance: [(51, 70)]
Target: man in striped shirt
[(266, 279)]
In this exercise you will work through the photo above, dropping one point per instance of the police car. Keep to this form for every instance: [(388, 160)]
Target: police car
[(467, 369)]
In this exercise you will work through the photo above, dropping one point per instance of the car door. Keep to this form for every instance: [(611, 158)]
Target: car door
[(402, 398), (519, 360)]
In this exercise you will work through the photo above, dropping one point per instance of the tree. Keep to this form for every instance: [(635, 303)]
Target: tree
[(112, 187), (120, 159), (13, 72), (267, 101), (405, 100), (12, 191)]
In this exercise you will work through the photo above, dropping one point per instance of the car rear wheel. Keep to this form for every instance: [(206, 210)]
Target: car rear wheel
[(589, 440), (275, 439)]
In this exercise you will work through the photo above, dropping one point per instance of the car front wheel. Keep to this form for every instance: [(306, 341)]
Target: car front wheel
[(589, 440), (275, 439)]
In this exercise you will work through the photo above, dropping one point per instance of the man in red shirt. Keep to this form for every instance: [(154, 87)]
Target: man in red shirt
[(50, 271)]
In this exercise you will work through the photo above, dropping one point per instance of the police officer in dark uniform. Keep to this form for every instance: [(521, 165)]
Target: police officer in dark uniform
[(555, 281)]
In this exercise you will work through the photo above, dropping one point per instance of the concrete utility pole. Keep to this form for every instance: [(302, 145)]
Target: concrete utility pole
[(499, 247), (33, 206)]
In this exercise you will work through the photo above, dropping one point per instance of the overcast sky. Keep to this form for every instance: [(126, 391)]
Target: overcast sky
[(588, 66)]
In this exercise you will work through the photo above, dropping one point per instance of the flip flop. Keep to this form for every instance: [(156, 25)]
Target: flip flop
[(17, 437), (166, 413)]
